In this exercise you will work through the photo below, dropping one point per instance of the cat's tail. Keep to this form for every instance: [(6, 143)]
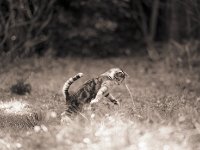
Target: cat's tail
[(68, 83)]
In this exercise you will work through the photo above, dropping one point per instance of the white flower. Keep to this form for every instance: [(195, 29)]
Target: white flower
[(92, 115), (18, 145), (53, 114), (37, 128), (86, 140)]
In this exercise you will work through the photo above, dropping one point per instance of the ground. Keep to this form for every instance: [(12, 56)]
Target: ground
[(160, 112)]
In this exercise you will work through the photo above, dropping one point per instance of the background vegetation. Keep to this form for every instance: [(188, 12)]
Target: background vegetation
[(96, 27)]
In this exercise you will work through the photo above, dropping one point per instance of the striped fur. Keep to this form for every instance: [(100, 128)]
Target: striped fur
[(91, 91), (68, 83)]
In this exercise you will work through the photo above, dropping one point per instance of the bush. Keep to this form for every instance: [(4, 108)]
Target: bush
[(24, 27), (21, 88)]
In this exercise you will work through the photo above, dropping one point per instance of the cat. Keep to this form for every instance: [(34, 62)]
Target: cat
[(91, 91)]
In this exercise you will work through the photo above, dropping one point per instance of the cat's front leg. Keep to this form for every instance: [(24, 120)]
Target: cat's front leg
[(112, 99), (99, 95), (94, 101)]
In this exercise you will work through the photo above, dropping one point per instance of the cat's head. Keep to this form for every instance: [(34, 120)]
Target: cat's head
[(116, 74)]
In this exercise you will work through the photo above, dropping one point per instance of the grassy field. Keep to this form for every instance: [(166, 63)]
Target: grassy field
[(163, 115)]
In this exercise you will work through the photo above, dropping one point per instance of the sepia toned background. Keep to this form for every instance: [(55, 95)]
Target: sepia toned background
[(98, 27)]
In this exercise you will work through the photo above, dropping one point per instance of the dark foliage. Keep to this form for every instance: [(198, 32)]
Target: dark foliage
[(97, 28), (24, 27), (21, 88), (94, 27)]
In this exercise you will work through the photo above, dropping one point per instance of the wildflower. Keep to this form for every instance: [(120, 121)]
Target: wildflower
[(86, 140), (53, 114), (92, 115), (18, 145), (37, 129)]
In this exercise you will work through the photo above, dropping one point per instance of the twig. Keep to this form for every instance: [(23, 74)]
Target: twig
[(129, 91)]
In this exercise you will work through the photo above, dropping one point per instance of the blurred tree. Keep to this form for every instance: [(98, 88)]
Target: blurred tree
[(95, 27), (23, 26)]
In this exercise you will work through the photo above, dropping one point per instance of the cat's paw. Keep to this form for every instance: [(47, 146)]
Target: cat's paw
[(117, 103), (94, 101)]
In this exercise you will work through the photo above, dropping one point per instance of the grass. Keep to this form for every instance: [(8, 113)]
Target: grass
[(165, 116)]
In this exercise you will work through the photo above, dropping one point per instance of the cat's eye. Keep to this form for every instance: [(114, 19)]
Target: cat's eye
[(119, 76)]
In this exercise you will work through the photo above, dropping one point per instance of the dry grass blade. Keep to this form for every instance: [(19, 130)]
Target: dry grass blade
[(129, 91)]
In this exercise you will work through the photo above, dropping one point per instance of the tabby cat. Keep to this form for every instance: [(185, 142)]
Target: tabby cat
[(91, 91)]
